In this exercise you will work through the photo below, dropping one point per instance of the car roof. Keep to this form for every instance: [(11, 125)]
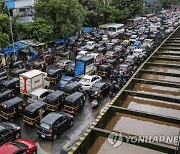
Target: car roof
[(89, 76), (99, 84), (55, 95), (51, 117), (67, 78), (38, 91), (73, 97), (34, 106), (5, 92)]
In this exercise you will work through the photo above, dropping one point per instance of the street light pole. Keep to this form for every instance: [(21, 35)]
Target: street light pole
[(12, 37)]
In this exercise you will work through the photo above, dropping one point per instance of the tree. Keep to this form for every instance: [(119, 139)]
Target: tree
[(4, 29), (66, 16), (39, 30)]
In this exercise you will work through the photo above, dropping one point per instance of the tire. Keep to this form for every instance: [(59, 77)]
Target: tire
[(54, 137), (18, 135)]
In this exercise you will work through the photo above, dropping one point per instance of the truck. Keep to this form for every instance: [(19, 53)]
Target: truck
[(32, 80), (84, 65)]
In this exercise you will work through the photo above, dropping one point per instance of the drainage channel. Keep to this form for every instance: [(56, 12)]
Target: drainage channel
[(148, 105)]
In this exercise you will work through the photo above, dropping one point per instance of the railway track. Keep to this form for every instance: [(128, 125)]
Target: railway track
[(148, 105)]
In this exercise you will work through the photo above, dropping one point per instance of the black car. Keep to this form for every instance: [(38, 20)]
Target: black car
[(8, 132), (54, 124), (100, 87)]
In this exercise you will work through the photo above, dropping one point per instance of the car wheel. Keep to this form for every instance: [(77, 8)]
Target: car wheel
[(72, 122), (17, 135), (54, 137)]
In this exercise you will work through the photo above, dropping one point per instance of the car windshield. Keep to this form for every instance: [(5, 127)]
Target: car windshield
[(33, 97), (63, 82), (45, 125), (85, 80)]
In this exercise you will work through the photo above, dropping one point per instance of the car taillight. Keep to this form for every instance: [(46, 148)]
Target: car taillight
[(50, 131)]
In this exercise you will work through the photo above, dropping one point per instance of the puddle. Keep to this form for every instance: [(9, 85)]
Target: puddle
[(152, 106), (140, 126), (160, 78), (157, 90), (164, 69), (101, 146), (166, 62)]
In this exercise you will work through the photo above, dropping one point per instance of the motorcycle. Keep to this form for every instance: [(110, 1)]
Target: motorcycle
[(95, 102)]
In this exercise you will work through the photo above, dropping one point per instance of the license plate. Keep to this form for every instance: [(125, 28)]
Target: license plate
[(43, 136)]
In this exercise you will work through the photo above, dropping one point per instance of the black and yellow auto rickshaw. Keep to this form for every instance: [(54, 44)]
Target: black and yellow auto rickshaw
[(39, 65), (34, 112), (74, 103), (16, 65), (104, 70), (54, 75), (12, 108), (72, 88), (12, 84), (5, 94), (55, 100)]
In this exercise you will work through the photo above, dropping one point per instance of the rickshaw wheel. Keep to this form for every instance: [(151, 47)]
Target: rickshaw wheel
[(17, 135)]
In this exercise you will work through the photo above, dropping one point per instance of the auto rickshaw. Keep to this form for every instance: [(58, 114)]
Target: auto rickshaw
[(12, 84), (12, 108), (74, 103), (104, 70), (54, 75), (39, 65), (5, 95), (55, 100), (34, 112), (16, 65), (16, 73), (72, 88)]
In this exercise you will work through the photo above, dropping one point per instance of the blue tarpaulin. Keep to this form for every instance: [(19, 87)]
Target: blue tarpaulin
[(86, 29), (60, 42), (10, 4)]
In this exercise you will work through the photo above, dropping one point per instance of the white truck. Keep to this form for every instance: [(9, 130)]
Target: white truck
[(32, 80)]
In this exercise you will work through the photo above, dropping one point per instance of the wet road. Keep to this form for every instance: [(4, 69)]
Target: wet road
[(82, 121)]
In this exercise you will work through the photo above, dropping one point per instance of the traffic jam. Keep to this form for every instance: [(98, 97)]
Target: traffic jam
[(49, 96)]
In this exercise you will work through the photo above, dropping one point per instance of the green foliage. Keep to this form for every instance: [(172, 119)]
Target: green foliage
[(39, 30), (4, 25), (4, 40), (66, 16)]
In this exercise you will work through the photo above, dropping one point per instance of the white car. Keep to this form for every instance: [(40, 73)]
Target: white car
[(133, 38), (90, 45), (89, 80), (39, 95), (82, 53)]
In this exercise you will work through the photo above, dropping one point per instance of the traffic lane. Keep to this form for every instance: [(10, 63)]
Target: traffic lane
[(81, 122)]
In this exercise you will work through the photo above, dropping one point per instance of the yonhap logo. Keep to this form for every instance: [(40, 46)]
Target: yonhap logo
[(115, 139)]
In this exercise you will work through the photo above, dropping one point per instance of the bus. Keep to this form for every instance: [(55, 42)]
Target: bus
[(84, 65), (113, 29)]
